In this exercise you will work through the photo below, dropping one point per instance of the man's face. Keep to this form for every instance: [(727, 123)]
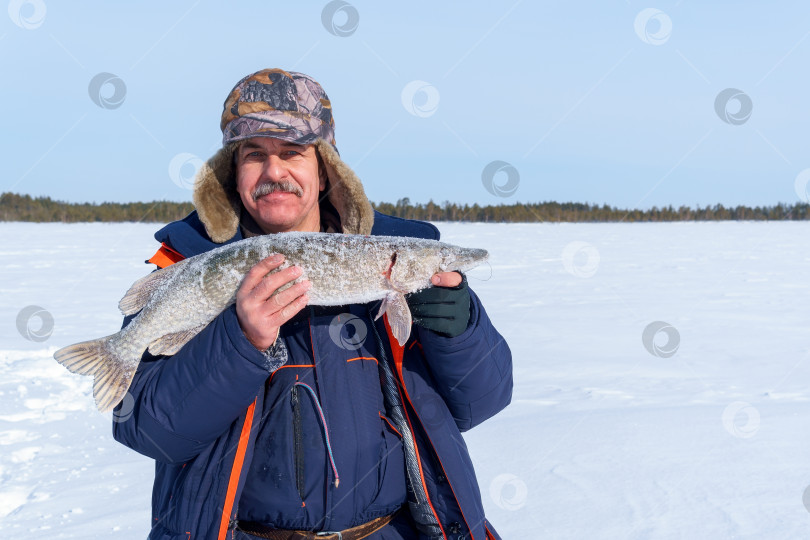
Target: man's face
[(279, 183)]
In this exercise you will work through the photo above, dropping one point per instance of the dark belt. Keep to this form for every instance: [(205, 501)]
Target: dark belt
[(355, 533)]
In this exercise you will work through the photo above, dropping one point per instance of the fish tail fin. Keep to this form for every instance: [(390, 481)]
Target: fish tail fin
[(111, 379)]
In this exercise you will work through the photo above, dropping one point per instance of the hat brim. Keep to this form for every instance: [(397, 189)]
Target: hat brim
[(294, 128)]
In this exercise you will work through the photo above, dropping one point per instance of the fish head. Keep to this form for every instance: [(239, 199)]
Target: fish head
[(461, 259), (412, 269)]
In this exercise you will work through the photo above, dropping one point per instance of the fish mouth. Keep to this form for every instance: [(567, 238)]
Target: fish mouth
[(269, 188), (467, 259)]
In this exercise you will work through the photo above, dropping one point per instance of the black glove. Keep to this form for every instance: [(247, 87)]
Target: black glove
[(444, 310)]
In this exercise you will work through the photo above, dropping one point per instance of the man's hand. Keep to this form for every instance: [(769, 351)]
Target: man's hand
[(444, 308), (260, 308)]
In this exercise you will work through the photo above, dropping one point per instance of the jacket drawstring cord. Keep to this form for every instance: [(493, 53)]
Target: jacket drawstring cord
[(325, 429)]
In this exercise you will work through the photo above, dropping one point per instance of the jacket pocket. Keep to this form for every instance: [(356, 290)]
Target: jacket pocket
[(391, 490)]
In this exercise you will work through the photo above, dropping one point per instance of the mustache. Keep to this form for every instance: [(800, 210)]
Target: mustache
[(273, 187)]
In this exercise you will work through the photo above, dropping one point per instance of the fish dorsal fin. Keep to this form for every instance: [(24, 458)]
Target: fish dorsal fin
[(399, 316), (141, 291), (171, 343)]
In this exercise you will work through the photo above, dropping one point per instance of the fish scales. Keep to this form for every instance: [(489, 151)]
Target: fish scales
[(174, 304)]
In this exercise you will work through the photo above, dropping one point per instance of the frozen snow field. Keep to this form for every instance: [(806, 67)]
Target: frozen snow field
[(698, 428)]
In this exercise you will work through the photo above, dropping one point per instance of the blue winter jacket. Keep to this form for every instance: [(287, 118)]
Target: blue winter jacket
[(197, 413)]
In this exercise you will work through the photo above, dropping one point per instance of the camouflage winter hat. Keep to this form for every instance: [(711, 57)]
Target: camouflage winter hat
[(275, 103)]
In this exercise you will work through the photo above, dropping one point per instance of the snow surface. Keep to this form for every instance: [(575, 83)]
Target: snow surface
[(603, 439)]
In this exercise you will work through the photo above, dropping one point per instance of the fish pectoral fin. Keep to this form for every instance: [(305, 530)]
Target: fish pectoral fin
[(383, 306), (171, 343), (399, 316), (141, 291)]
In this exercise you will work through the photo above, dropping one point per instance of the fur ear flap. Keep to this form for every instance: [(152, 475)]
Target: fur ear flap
[(215, 195), (345, 192)]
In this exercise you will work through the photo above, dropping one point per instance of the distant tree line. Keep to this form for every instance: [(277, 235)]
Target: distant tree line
[(14, 207), (554, 211)]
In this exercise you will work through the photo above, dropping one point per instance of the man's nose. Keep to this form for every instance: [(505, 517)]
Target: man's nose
[(274, 168)]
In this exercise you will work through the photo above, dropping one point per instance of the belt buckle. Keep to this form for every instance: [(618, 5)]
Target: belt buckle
[(330, 533)]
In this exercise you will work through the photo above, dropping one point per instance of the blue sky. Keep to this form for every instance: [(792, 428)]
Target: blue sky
[(598, 102)]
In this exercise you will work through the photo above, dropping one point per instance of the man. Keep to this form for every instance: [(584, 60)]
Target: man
[(282, 420)]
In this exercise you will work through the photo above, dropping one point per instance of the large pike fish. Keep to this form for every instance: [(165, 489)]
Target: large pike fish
[(174, 304)]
